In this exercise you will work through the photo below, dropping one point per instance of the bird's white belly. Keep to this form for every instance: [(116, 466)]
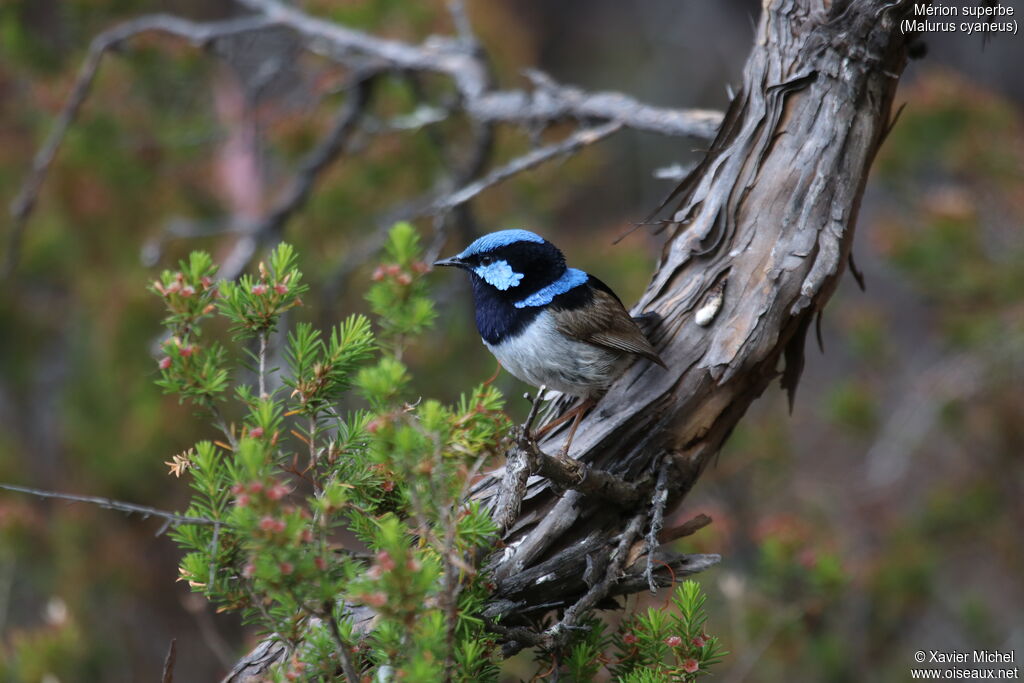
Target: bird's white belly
[(541, 354)]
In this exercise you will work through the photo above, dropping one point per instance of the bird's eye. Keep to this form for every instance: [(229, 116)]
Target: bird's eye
[(486, 260)]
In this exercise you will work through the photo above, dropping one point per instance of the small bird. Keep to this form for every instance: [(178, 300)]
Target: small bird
[(546, 323)]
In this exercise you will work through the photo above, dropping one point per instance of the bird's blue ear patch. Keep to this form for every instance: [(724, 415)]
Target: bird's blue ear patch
[(497, 240), (499, 275), (573, 277)]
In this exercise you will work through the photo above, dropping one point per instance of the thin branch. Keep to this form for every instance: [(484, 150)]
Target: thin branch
[(463, 27), (470, 74), (600, 589), (146, 511), (214, 547), (197, 33), (169, 660), (687, 528), (573, 143), (657, 519), (348, 667), (269, 228), (263, 365), (569, 473), (517, 471)]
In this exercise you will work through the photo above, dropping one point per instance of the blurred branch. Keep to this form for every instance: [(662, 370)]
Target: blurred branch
[(573, 143), (172, 518), (461, 59), (197, 33), (269, 228), (548, 104)]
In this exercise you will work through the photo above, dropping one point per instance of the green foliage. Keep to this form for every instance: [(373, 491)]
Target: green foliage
[(667, 644), (398, 294), (286, 484)]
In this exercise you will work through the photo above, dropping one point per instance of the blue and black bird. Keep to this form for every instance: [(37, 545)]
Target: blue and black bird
[(546, 323)]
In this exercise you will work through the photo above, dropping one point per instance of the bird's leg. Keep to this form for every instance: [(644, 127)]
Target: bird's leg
[(582, 410), (576, 414)]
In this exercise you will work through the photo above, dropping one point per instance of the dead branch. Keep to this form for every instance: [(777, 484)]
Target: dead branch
[(461, 59), (199, 34), (470, 75), (573, 143), (172, 518), (269, 228)]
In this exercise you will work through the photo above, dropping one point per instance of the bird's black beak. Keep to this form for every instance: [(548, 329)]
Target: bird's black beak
[(453, 261)]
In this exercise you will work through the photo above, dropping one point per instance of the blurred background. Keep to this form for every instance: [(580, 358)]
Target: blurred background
[(880, 517)]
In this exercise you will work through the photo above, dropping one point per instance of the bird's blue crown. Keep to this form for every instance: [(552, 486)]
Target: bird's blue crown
[(502, 238)]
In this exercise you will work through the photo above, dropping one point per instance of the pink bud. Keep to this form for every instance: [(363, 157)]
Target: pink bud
[(281, 288), (187, 291), (237, 488), (165, 362), (187, 350), (392, 269), (268, 524), (690, 666), (206, 282), (277, 492), (673, 641), (242, 500), (256, 432), (700, 641), (384, 561), (388, 486), (248, 570), (378, 274), (404, 279), (629, 639), (255, 486), (286, 568), (259, 289), (377, 599), (320, 563)]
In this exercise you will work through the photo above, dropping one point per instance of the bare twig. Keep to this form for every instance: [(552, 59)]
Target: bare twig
[(599, 590), (573, 143), (172, 655), (463, 28), (172, 517), (569, 473), (471, 78), (197, 33), (687, 528), (657, 519), (269, 228), (214, 547), (263, 365), (348, 667), (517, 470)]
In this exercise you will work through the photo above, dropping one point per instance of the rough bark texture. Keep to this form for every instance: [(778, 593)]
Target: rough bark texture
[(767, 220), (758, 238)]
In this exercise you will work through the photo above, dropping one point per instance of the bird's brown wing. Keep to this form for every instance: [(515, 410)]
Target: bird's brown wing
[(606, 323)]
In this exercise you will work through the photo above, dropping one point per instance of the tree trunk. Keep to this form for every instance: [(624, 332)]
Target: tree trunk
[(759, 236)]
